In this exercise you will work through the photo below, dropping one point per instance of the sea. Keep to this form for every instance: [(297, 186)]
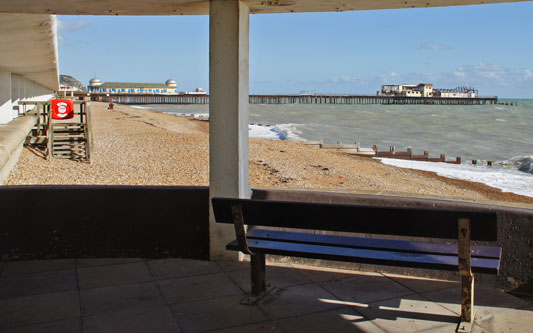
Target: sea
[(499, 133)]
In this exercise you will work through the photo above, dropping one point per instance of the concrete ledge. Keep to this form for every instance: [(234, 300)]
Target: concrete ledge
[(12, 136)]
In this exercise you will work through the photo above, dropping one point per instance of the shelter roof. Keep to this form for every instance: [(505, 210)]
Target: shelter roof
[(201, 7), (29, 47)]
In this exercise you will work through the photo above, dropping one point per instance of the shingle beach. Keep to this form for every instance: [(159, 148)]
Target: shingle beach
[(141, 147)]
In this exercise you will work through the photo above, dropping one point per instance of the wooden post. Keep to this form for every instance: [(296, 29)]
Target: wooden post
[(474, 162), (50, 143), (258, 274), (38, 107), (458, 159), (489, 163), (410, 153), (442, 157), (238, 223), (467, 278), (89, 133)]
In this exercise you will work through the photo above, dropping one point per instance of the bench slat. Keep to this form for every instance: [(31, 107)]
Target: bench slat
[(400, 221), (379, 257), (371, 243)]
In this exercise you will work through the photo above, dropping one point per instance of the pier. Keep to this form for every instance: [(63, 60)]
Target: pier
[(292, 99)]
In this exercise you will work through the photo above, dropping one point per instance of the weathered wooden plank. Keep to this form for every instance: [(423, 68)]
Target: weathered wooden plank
[(366, 256), (372, 243), (401, 221)]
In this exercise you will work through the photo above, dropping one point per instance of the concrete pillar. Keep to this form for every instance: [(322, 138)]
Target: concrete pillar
[(6, 105), (228, 112)]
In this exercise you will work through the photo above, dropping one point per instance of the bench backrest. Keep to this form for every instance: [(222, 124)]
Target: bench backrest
[(400, 221)]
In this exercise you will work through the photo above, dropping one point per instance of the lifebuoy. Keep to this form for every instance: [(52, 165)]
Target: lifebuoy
[(62, 109)]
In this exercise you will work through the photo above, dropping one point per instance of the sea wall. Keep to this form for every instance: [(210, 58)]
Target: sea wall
[(40, 222)]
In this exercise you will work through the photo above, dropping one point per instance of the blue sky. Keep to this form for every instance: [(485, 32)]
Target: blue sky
[(489, 47)]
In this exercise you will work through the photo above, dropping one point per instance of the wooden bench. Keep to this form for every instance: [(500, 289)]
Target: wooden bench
[(460, 225)]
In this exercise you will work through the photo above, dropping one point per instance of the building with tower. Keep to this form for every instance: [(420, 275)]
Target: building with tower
[(98, 87)]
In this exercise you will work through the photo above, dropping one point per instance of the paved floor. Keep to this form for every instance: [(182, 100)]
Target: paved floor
[(177, 295)]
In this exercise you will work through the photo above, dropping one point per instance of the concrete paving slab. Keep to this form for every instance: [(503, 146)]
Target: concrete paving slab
[(197, 288), (338, 321), (158, 320), (504, 321), (104, 276), (129, 297), (93, 262), (422, 285), (322, 274), (365, 288), (270, 327), (72, 325), (28, 310), (174, 268), (409, 314), (231, 266), (484, 297), (277, 276), (216, 314), (17, 285), (36, 266), (297, 301)]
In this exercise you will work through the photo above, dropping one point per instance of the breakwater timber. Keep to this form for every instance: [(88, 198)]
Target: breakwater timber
[(356, 149), (296, 99)]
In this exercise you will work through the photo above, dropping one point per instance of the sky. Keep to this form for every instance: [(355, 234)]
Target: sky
[(489, 47)]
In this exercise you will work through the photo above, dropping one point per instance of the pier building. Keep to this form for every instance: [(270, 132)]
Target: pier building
[(167, 88), (426, 90), (408, 90)]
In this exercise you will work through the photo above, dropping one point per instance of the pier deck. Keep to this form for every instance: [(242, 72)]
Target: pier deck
[(293, 99)]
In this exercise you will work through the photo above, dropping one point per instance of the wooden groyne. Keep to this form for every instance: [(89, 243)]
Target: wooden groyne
[(356, 149), (293, 99)]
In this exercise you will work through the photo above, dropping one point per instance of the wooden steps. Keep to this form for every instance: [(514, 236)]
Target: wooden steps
[(69, 140)]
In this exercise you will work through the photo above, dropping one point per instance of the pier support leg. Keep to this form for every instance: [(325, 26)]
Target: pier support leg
[(228, 112)]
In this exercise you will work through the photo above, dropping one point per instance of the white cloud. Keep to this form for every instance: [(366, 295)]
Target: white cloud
[(343, 78), (71, 26), (61, 40), (434, 46), (493, 74), (346, 78)]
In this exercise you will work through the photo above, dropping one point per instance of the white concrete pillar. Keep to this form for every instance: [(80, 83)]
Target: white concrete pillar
[(6, 105), (229, 25)]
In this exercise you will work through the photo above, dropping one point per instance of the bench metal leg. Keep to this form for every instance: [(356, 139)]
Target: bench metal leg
[(258, 274), (467, 278)]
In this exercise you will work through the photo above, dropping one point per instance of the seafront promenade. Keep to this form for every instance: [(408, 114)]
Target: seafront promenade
[(179, 295)]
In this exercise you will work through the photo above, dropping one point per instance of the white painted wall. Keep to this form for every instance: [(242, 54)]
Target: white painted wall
[(15, 88), (6, 105)]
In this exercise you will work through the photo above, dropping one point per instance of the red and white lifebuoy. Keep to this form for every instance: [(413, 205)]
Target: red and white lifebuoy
[(62, 109)]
